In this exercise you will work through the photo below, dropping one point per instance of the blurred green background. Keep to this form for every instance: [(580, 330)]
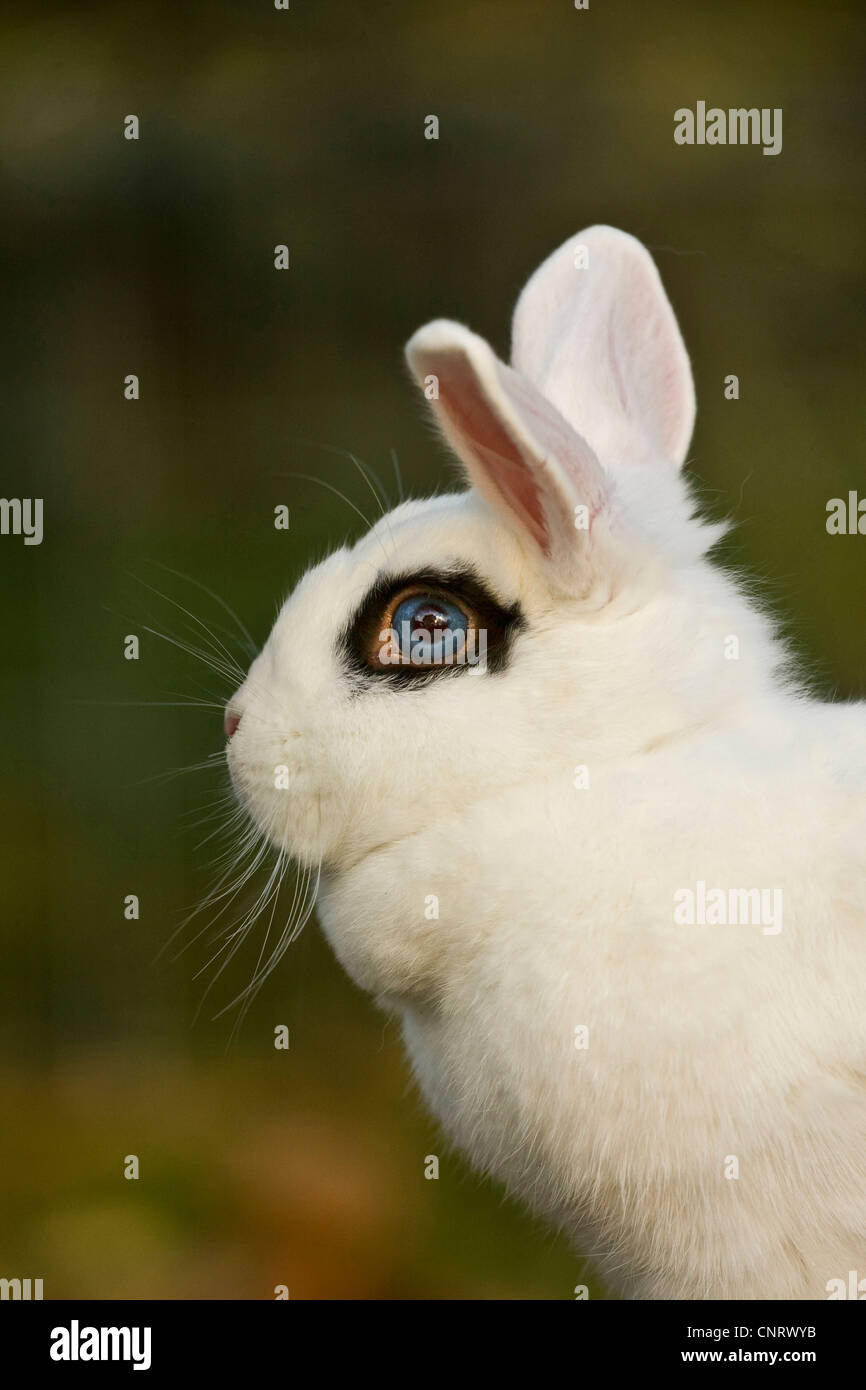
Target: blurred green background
[(155, 257)]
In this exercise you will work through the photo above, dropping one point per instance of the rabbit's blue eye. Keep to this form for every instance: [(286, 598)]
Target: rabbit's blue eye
[(412, 627), (429, 631)]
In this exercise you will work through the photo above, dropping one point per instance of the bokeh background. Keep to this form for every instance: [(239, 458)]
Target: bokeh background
[(306, 127)]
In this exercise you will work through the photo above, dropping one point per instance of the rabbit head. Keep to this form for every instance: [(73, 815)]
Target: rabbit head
[(571, 571)]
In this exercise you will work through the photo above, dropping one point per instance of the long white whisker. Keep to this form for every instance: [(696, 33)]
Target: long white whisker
[(236, 937), (211, 761), (216, 645), (290, 933), (398, 475), (233, 675), (253, 646)]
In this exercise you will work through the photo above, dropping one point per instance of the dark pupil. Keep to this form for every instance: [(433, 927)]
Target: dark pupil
[(429, 618)]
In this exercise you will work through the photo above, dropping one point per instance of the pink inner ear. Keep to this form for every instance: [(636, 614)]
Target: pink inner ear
[(484, 436)]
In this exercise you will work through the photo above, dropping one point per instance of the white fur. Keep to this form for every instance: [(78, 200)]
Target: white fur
[(556, 903)]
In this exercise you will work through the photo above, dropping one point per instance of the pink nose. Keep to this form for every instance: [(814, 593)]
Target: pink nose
[(230, 723)]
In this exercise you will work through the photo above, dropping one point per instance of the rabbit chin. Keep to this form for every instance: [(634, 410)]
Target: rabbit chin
[(271, 786)]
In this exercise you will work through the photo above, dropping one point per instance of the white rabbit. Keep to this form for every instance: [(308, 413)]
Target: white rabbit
[(511, 847)]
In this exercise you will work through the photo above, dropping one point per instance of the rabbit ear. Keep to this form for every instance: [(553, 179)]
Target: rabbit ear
[(594, 332), (516, 448)]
